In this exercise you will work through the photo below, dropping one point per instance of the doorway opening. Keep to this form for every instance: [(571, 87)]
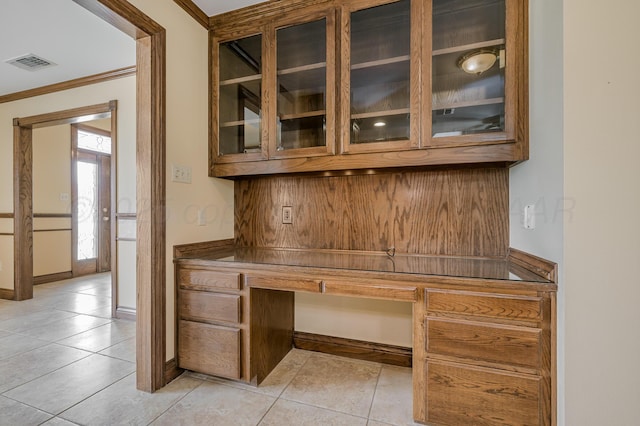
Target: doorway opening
[(91, 169), (24, 224), (152, 370)]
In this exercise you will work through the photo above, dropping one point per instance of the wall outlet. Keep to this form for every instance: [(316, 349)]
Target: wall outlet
[(180, 174), (287, 214), (529, 216), (64, 196)]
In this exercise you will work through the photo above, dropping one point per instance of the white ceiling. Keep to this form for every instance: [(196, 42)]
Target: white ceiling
[(66, 34), (216, 7)]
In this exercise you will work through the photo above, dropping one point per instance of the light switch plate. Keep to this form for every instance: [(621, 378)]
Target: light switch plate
[(180, 174)]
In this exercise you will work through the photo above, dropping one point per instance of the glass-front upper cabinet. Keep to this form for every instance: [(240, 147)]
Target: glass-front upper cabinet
[(238, 98), (304, 83), (380, 72), (471, 58)]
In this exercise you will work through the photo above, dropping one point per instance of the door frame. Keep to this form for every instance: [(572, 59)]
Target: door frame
[(150, 189), (23, 183)]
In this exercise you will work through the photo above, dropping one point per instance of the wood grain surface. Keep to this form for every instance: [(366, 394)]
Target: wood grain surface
[(485, 304), (466, 395), (494, 343), (209, 349), (442, 212)]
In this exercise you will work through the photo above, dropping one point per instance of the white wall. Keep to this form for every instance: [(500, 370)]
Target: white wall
[(539, 180), (585, 131), (602, 235), (124, 90)]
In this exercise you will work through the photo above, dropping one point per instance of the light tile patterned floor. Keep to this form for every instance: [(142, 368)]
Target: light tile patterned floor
[(63, 361)]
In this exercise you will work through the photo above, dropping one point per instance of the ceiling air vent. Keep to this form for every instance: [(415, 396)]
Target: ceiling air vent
[(30, 62)]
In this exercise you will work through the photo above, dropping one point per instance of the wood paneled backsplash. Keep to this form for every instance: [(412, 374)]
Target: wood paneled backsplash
[(445, 212)]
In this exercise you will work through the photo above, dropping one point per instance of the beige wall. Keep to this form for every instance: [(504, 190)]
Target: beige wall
[(187, 141), (51, 178), (121, 89), (602, 234)]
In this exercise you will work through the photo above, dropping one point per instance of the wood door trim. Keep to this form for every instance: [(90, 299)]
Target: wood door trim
[(6, 215), (67, 116), (23, 211), (52, 215), (150, 188), (23, 185)]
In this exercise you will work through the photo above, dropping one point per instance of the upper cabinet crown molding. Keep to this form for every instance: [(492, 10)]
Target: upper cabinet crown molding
[(332, 85)]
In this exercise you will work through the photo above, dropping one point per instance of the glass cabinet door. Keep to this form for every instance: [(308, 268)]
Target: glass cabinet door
[(379, 75), (468, 71), (239, 100), (304, 84)]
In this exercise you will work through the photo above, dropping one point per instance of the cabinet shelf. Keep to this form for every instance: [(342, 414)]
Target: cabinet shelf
[(299, 115), (471, 46), (239, 80), (239, 123), (302, 68), (381, 62), (381, 113), (463, 104)]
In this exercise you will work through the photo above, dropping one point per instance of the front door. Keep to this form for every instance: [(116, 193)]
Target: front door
[(91, 202)]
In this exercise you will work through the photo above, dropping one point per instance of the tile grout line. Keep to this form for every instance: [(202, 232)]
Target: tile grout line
[(279, 396), (49, 372), (95, 393), (179, 399), (375, 390)]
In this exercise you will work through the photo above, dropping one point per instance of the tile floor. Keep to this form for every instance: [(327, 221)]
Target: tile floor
[(64, 361)]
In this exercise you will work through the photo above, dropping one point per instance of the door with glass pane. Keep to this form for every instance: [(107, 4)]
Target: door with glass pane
[(380, 71), (91, 202), (473, 58), (237, 97), (304, 82)]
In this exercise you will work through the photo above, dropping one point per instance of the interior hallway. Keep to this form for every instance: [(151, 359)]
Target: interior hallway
[(64, 361)]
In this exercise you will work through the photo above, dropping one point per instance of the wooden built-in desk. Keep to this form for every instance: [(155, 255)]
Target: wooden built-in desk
[(483, 328)]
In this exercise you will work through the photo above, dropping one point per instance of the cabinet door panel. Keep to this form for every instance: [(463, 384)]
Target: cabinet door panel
[(304, 82), (380, 74), (209, 349), (487, 305), (202, 279), (237, 105), (463, 395), (519, 346), (205, 306)]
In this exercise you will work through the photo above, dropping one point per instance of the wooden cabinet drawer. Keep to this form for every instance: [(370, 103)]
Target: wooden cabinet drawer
[(205, 306), (502, 306), (312, 286), (203, 279), (391, 292), (519, 346), (209, 349), (466, 395)]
